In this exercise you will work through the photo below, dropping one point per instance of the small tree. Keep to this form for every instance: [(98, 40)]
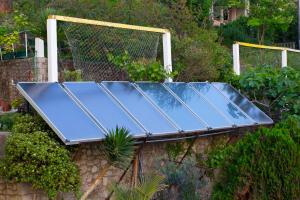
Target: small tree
[(266, 14), (118, 147)]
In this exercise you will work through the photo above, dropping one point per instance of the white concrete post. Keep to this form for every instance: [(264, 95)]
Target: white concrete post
[(39, 48), (284, 58), (236, 59), (26, 45), (52, 50), (167, 54)]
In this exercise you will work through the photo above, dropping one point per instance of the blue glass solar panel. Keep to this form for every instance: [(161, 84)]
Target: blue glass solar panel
[(199, 105), (178, 112), (103, 107), (216, 98), (66, 118), (241, 101), (154, 121)]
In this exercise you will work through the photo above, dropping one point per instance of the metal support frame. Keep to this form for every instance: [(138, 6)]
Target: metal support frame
[(52, 41)]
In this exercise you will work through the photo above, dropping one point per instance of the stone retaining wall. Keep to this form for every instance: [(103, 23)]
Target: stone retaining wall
[(90, 160)]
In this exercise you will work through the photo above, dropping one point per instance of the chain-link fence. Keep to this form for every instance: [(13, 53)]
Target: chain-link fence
[(88, 47), (247, 55)]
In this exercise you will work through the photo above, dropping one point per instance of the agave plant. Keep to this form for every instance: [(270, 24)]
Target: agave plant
[(143, 191), (118, 149)]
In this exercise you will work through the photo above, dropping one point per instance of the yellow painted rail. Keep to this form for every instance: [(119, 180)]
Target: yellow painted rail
[(107, 24), (266, 47)]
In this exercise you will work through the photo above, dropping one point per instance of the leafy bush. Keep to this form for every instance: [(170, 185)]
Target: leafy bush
[(74, 75), (262, 165), (141, 70), (237, 30), (184, 180), (276, 90), (7, 121), (201, 56), (32, 156)]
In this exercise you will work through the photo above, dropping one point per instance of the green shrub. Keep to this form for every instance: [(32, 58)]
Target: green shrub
[(276, 90), (72, 75), (7, 121), (33, 156), (142, 70), (262, 165)]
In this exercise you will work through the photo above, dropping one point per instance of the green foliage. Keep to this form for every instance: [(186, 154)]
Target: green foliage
[(74, 75), (10, 26), (16, 103), (7, 121), (174, 150), (185, 178), (32, 156), (143, 191), (276, 90), (202, 57), (262, 165), (266, 15), (140, 70), (119, 147), (237, 30)]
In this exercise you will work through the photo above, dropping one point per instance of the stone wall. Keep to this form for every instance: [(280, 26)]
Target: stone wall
[(13, 71), (90, 160)]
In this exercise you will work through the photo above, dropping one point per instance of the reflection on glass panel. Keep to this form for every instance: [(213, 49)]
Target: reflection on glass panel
[(178, 112), (243, 103), (140, 107), (61, 112), (103, 107), (199, 105), (224, 105)]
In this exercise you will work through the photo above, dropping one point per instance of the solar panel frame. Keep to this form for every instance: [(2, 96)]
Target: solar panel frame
[(205, 100), (237, 107), (152, 105), (111, 98), (239, 93), (51, 123), (180, 101)]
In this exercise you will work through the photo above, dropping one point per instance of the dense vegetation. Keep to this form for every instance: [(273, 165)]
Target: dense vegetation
[(33, 155), (262, 165)]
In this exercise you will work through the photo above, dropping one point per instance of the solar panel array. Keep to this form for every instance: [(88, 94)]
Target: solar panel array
[(86, 111)]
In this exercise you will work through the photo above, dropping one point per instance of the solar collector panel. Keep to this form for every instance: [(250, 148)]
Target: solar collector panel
[(103, 107), (133, 100), (173, 107), (246, 105), (200, 105), (63, 114), (230, 110)]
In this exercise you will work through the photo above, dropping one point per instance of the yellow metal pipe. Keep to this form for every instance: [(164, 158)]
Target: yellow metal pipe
[(107, 24)]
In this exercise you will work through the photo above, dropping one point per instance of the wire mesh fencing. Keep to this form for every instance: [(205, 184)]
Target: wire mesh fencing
[(88, 46)]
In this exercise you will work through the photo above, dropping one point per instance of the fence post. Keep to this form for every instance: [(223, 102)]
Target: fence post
[(284, 58), (236, 58), (26, 45), (39, 47), (167, 54), (52, 50)]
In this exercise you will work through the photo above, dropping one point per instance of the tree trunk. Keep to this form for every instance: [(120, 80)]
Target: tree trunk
[(6, 6), (96, 182)]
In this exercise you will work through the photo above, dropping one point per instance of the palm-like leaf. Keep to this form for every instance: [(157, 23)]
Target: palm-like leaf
[(144, 191), (119, 147)]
